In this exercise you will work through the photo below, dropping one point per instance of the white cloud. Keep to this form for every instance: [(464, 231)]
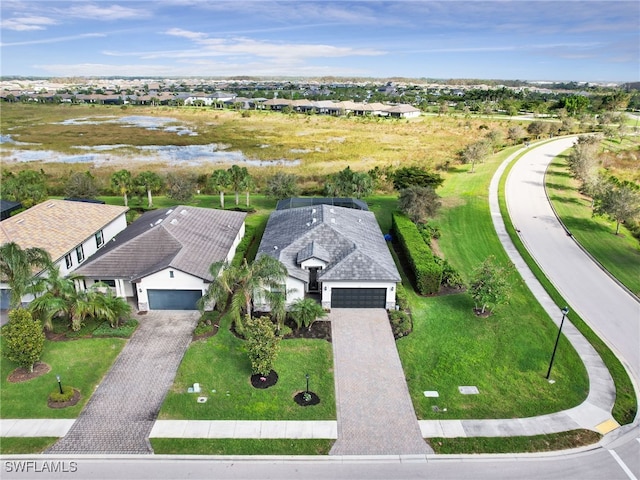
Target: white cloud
[(27, 23), (45, 41), (112, 12), (179, 32)]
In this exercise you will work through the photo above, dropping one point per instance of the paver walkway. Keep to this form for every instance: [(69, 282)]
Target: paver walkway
[(120, 415), (375, 412)]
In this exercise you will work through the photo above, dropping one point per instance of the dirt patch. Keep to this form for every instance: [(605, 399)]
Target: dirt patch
[(305, 399), (23, 375), (69, 403), (479, 313), (209, 333), (260, 381)]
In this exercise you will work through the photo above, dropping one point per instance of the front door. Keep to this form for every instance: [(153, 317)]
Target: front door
[(313, 279)]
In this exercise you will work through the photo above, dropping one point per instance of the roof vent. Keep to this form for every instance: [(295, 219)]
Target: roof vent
[(275, 247), (174, 222), (308, 224), (158, 221), (359, 220), (169, 211), (333, 220), (314, 220), (183, 212), (51, 205), (332, 210), (313, 210), (20, 221)]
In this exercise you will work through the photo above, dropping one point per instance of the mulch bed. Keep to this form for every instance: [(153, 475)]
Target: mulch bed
[(478, 312), (69, 403), (210, 333), (23, 375), (299, 398), (260, 381), (320, 329)]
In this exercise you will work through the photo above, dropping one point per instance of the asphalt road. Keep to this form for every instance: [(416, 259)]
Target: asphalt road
[(612, 312)]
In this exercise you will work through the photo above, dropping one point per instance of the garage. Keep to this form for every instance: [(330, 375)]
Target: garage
[(173, 299), (358, 298)]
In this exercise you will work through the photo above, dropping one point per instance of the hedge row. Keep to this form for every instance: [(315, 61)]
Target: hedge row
[(427, 272)]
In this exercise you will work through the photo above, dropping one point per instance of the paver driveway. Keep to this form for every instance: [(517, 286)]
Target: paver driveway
[(119, 416), (375, 413)]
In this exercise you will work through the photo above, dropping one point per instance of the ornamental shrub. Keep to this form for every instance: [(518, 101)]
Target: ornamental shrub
[(23, 339), (401, 324), (65, 396), (427, 272)]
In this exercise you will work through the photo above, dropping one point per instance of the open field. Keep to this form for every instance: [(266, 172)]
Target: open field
[(322, 144)]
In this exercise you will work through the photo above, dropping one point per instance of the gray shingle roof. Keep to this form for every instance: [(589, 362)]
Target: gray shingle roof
[(350, 240), (188, 239)]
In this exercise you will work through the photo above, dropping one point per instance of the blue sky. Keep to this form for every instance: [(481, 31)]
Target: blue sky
[(518, 39)]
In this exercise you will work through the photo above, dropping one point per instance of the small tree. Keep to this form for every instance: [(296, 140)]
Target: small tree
[(81, 185), (219, 181), (619, 201), (282, 185), (489, 286), (537, 128), (23, 339), (180, 186), (419, 203), (262, 344), (121, 182), (151, 182), (305, 311), (405, 177), (475, 152)]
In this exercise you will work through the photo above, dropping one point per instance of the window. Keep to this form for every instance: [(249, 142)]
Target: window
[(99, 239), (68, 260), (108, 283), (170, 273), (80, 253)]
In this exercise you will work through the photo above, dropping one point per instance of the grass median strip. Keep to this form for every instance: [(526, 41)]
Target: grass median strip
[(233, 446)]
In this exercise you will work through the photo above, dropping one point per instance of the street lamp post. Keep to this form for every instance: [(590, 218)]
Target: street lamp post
[(59, 383), (564, 311), (307, 377)]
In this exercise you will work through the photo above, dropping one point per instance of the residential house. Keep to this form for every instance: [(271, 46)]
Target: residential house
[(336, 253), (70, 231), (161, 261)]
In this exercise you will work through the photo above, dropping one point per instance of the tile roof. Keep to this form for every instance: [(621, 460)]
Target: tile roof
[(57, 226), (188, 239), (350, 240)]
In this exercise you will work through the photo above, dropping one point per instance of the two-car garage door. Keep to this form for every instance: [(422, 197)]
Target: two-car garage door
[(358, 298), (173, 299)]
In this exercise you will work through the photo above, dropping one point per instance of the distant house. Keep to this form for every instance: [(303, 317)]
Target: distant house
[(70, 231), (403, 111), (334, 252), (161, 261)]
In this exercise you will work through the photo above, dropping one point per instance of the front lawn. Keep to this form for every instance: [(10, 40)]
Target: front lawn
[(505, 355), (240, 446), (221, 366), (80, 363)]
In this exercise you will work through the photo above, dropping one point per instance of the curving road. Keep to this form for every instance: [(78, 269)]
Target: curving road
[(611, 312)]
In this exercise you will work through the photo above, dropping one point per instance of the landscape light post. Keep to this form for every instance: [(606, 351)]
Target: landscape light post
[(564, 311), (59, 384), (307, 377)]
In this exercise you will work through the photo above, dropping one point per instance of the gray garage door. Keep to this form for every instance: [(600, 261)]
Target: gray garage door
[(5, 299), (173, 299), (358, 297)]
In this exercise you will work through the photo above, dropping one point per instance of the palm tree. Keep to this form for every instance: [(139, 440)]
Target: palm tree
[(151, 181), (237, 179), (17, 266), (109, 307), (243, 282), (121, 181), (305, 311), (219, 181)]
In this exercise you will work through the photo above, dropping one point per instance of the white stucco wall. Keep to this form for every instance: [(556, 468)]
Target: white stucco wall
[(390, 286), (162, 281), (234, 246), (90, 247), (313, 262)]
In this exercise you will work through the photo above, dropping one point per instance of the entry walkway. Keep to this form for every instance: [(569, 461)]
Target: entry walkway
[(375, 412), (121, 412)]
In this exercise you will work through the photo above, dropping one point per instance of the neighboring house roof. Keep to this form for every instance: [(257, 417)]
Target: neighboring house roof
[(349, 240), (6, 207), (294, 202), (188, 239), (58, 226)]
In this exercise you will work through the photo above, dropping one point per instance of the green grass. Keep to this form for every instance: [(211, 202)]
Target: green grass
[(25, 445), (80, 363), (625, 407), (536, 443), (249, 446), (619, 254), (221, 363), (505, 355)]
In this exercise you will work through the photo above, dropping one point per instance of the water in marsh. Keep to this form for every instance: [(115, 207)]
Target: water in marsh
[(120, 154)]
